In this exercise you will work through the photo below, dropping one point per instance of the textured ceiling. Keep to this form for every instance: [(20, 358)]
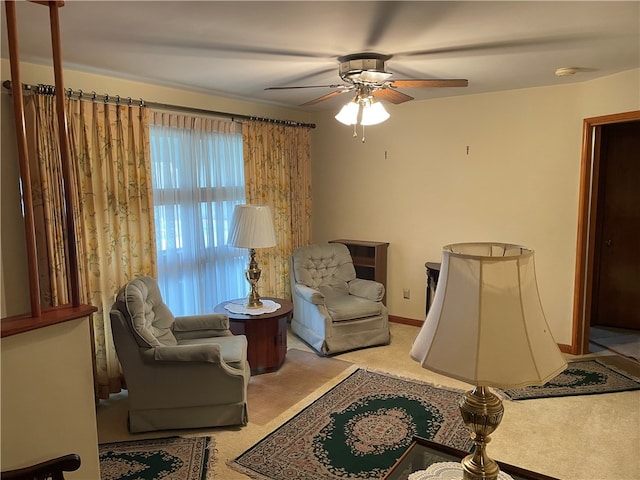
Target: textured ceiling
[(236, 49)]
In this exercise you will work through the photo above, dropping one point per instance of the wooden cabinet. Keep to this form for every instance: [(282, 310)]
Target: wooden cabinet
[(369, 260)]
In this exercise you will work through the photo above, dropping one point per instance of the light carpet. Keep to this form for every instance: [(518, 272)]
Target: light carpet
[(270, 394)]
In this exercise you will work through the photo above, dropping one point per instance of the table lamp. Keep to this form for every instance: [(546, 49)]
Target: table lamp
[(486, 327), (252, 227)]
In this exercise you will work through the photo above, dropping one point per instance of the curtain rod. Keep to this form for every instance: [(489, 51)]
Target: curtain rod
[(118, 100)]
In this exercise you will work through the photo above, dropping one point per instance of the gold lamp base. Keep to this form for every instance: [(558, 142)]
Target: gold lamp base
[(252, 275), (482, 413)]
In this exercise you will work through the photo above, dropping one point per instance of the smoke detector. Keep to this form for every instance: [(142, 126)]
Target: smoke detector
[(566, 71)]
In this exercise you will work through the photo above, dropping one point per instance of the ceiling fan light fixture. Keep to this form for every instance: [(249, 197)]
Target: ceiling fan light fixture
[(369, 76), (348, 114), (373, 113)]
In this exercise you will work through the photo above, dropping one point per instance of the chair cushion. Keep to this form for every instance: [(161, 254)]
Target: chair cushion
[(369, 289), (326, 267), (150, 318), (232, 349), (350, 307)]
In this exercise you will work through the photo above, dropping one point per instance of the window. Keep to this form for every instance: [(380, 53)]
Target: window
[(198, 178)]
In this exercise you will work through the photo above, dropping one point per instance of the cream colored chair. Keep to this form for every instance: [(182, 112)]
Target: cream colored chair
[(333, 311), (181, 372)]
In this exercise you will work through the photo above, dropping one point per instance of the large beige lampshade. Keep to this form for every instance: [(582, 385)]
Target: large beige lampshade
[(486, 325), (252, 227)]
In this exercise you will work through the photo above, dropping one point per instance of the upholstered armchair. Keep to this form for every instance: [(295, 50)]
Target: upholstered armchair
[(333, 311), (181, 372)]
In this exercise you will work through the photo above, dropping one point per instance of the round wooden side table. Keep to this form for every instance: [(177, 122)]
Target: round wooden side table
[(266, 334)]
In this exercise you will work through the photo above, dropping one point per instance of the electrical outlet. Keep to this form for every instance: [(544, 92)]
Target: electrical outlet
[(406, 293)]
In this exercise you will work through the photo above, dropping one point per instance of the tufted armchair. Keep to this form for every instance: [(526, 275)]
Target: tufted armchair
[(333, 311), (181, 372)]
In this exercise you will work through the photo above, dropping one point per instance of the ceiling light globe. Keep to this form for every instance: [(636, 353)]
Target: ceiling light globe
[(373, 113), (348, 114)]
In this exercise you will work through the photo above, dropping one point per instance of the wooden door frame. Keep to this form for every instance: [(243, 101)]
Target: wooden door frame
[(588, 201)]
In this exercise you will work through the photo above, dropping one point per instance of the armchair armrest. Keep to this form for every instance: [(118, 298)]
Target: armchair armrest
[(53, 468), (200, 326), (206, 352), (309, 294), (368, 289)]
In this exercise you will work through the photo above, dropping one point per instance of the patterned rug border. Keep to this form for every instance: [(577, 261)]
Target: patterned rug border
[(209, 450), (231, 463), (633, 386), (417, 380)]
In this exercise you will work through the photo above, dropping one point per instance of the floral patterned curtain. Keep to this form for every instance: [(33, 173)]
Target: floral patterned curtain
[(277, 162), (45, 169), (113, 208)]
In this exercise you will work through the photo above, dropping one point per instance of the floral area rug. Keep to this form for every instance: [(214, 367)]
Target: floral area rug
[(174, 458), (584, 377), (357, 430)]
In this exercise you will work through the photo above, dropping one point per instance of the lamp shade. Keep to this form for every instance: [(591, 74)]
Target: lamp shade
[(252, 227), (348, 114), (486, 325), (373, 113)]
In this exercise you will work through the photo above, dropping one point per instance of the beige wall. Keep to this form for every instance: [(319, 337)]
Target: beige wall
[(47, 398), (518, 183)]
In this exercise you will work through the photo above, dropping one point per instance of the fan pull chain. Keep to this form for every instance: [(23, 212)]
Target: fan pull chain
[(355, 133), (362, 133)]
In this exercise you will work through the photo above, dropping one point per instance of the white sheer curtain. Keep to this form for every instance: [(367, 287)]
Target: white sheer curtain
[(198, 178)]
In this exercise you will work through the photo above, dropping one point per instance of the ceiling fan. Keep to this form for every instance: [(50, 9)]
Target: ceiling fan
[(366, 75)]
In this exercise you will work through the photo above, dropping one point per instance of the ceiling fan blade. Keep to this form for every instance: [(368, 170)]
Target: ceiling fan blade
[(193, 46), (393, 96), (307, 86), (312, 77), (498, 46), (417, 83), (383, 18), (326, 97)]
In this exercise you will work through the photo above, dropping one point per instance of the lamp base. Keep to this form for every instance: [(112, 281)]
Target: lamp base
[(252, 274), (253, 300), (482, 412)]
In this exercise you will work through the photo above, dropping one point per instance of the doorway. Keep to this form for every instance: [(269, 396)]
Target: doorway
[(607, 264)]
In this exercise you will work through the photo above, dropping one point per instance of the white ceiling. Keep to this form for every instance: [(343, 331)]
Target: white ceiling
[(236, 49)]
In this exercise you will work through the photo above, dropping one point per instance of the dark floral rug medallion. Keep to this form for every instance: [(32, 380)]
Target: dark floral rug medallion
[(174, 458), (357, 430)]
